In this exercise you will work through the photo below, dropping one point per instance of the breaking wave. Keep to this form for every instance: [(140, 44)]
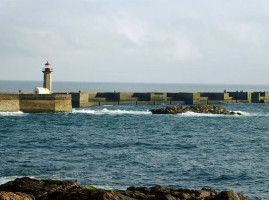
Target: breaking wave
[(105, 111), (6, 179), (243, 114), (17, 113)]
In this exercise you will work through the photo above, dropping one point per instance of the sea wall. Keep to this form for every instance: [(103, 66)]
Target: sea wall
[(260, 97), (38, 103), (241, 97), (35, 103), (9, 102), (85, 99), (59, 102)]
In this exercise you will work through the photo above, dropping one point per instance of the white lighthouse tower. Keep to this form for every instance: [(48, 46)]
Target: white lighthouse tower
[(46, 82), (47, 76)]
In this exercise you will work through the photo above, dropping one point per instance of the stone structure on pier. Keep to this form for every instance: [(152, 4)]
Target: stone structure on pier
[(41, 100), (47, 81), (85, 99)]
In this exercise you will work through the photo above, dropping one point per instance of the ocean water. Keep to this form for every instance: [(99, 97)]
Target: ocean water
[(120, 146), (28, 86)]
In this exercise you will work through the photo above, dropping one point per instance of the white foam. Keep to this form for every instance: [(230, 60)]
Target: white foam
[(6, 179), (17, 113), (242, 113), (193, 114), (105, 111), (255, 114)]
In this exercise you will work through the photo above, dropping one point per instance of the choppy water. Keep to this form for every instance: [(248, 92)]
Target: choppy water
[(120, 146)]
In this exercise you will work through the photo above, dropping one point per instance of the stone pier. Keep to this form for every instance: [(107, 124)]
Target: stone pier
[(86, 99)]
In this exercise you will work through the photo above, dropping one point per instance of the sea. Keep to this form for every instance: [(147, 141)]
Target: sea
[(114, 147)]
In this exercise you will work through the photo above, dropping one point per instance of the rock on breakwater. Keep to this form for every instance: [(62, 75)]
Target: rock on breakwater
[(32, 189), (205, 109)]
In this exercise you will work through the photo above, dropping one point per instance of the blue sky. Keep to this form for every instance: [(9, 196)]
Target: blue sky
[(159, 41)]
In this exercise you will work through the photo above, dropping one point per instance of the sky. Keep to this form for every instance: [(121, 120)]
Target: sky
[(147, 41)]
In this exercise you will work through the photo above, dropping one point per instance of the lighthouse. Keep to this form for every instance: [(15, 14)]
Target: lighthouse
[(47, 76), (46, 89)]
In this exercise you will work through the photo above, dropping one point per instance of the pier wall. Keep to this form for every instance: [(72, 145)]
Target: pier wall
[(85, 99), (38, 103), (241, 97), (260, 97), (35, 103), (9, 102), (57, 102)]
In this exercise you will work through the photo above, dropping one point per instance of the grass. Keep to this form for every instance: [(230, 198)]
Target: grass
[(89, 187)]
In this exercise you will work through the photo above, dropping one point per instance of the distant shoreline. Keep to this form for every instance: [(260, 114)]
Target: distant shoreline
[(68, 86)]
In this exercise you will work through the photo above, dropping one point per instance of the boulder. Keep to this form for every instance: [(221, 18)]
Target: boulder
[(15, 196), (230, 195), (38, 188), (168, 110), (206, 109)]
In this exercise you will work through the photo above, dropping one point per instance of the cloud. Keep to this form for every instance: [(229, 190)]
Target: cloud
[(244, 32), (102, 37), (183, 49), (134, 32)]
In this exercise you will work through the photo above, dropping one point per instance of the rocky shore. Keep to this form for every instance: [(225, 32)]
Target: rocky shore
[(32, 189), (205, 109)]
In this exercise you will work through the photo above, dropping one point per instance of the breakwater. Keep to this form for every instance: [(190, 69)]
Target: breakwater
[(86, 99), (64, 102), (35, 103)]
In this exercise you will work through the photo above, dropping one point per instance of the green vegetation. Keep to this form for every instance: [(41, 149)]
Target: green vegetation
[(89, 187), (158, 98)]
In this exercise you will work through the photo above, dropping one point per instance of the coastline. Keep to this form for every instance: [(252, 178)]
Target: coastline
[(46, 189)]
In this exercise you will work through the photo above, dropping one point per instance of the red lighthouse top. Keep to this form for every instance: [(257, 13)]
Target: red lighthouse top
[(47, 67), (47, 64)]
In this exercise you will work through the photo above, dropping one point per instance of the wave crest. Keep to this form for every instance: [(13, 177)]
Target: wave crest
[(105, 111), (17, 113), (193, 114)]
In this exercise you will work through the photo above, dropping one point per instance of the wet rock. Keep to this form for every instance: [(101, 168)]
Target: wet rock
[(206, 192), (230, 195), (38, 188), (168, 110), (15, 196), (206, 109), (242, 197), (32, 189)]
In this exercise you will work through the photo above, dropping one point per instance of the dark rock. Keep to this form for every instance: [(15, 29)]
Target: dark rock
[(230, 195), (32, 189), (15, 196), (206, 109), (242, 197), (38, 188), (168, 110)]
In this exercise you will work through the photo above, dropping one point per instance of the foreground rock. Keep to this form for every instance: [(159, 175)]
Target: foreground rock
[(206, 109), (32, 189), (15, 196)]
